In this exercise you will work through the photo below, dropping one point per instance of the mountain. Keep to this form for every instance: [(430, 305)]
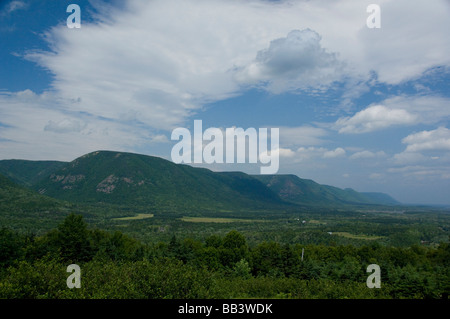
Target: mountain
[(129, 179), (381, 198), (17, 201), (26, 172), (296, 190)]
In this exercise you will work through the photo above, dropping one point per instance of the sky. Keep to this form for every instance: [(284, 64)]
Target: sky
[(356, 107)]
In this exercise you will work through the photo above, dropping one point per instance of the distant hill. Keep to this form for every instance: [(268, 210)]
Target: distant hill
[(26, 172), (381, 198), (134, 180), (140, 180), (293, 189), (18, 202), (15, 196)]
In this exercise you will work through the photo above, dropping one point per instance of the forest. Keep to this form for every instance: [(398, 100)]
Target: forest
[(116, 265), (176, 232)]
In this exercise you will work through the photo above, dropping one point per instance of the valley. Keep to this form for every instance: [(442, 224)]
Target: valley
[(153, 199), (238, 235)]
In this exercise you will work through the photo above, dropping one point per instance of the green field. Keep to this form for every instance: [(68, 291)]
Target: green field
[(137, 217), (364, 237), (218, 220)]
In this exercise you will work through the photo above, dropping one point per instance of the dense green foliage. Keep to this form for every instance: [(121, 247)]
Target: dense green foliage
[(114, 265), (26, 172), (24, 209), (142, 227), (146, 181)]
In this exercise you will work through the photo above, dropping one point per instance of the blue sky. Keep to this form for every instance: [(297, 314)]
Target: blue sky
[(356, 107)]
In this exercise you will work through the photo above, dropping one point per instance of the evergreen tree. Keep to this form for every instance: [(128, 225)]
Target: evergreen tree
[(73, 238)]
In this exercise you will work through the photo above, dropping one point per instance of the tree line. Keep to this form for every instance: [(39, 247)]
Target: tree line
[(114, 265)]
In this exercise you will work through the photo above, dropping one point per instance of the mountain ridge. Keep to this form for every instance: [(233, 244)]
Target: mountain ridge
[(294, 189), (133, 179), (123, 178), (27, 172)]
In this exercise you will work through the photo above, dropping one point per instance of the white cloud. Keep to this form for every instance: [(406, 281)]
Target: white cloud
[(301, 136), (286, 152), (434, 140), (374, 118), (297, 61), (65, 125), (399, 110), (430, 149), (421, 172), (367, 154), (159, 138), (13, 6), (429, 109), (412, 39), (307, 153), (405, 158), (338, 152), (35, 127), (162, 60), (314, 153), (156, 63)]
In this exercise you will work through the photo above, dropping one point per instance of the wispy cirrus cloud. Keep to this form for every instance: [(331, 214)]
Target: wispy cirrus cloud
[(305, 135), (39, 128), (13, 6)]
